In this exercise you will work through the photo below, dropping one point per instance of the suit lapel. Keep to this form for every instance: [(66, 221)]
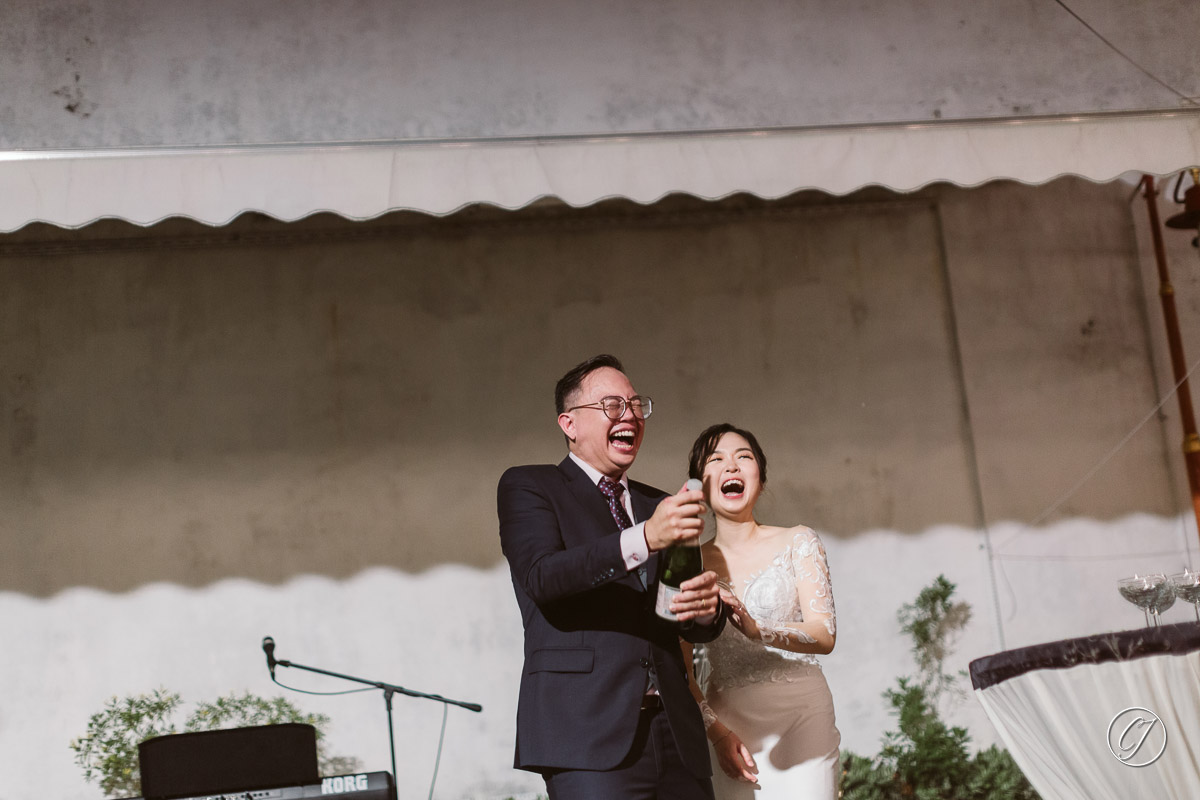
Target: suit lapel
[(588, 495), (643, 506), (592, 501), (643, 509)]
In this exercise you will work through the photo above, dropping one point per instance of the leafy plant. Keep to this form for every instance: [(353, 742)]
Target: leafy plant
[(108, 751), (934, 623), (926, 759)]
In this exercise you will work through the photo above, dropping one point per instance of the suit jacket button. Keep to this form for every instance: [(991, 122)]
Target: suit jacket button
[(645, 662)]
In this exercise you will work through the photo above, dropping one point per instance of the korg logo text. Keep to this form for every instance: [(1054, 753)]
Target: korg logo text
[(344, 783)]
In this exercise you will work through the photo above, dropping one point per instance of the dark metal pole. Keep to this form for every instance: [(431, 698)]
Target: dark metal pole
[(387, 698), (1166, 292), (389, 689)]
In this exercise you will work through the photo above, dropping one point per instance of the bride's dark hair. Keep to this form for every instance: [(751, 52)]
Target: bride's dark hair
[(706, 444)]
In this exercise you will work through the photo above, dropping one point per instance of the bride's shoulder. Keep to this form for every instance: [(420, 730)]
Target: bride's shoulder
[(711, 550), (797, 533)]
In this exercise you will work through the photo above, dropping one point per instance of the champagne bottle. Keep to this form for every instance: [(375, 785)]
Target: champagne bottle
[(678, 563)]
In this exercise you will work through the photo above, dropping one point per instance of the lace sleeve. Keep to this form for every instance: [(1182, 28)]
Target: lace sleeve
[(812, 573), (708, 715), (814, 619)]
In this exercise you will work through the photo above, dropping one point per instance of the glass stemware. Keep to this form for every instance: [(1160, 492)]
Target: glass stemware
[(1187, 588), (1144, 591), (1164, 598)]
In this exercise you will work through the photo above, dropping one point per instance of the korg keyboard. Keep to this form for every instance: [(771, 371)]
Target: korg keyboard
[(358, 786)]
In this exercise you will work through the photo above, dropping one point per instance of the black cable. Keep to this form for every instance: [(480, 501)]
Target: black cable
[(438, 758), (1117, 50), (1178, 182), (437, 761), (322, 694)]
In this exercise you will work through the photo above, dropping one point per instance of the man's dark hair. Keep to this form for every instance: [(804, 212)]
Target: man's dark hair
[(569, 384), (706, 445)]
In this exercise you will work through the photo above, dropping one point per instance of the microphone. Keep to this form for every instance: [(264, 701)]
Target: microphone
[(268, 646)]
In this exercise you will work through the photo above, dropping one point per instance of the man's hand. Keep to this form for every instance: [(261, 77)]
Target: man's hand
[(677, 518), (697, 597)]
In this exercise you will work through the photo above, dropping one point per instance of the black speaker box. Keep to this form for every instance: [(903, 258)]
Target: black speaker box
[(226, 761)]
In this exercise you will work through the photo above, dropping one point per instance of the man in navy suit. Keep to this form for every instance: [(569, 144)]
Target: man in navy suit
[(604, 711)]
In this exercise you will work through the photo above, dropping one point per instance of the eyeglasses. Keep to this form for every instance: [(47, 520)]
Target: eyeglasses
[(614, 407)]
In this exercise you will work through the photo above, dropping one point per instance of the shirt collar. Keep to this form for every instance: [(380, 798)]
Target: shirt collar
[(594, 475)]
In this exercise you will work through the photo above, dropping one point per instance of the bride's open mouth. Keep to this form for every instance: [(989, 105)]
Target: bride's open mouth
[(733, 487)]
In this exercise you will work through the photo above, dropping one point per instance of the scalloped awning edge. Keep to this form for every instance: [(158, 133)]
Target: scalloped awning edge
[(362, 180)]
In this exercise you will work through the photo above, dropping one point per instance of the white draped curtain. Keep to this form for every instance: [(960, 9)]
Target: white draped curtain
[(1057, 723)]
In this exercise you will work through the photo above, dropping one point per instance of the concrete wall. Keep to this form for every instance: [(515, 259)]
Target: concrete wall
[(295, 430), (79, 73), (1183, 265)]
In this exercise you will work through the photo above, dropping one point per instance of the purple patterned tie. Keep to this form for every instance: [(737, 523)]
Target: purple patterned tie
[(612, 490)]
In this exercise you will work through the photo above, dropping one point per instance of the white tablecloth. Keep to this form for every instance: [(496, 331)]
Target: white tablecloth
[(1054, 707)]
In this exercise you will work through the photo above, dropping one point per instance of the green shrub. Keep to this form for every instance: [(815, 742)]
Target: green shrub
[(108, 751), (924, 758)]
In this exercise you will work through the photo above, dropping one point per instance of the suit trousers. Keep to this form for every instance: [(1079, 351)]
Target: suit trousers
[(653, 770)]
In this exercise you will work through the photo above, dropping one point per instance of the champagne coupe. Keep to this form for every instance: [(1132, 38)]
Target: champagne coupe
[(1164, 598), (1187, 588), (1142, 591)]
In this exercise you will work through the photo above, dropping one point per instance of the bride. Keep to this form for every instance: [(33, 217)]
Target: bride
[(766, 706)]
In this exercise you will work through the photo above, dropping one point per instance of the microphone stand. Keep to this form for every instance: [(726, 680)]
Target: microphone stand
[(388, 689)]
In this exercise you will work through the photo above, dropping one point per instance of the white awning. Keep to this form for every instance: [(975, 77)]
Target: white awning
[(72, 188)]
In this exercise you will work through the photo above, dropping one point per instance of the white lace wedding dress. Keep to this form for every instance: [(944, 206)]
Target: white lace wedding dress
[(776, 700)]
